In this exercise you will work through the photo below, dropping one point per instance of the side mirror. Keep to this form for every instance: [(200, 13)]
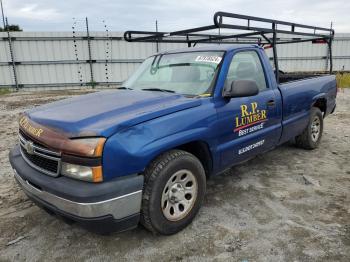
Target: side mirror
[(241, 88)]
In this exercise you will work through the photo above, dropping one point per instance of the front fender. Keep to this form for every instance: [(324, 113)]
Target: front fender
[(131, 150)]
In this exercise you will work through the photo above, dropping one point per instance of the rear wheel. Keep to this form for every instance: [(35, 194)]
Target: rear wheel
[(173, 192), (311, 136)]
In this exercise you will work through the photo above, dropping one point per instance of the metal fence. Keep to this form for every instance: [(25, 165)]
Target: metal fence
[(74, 59)]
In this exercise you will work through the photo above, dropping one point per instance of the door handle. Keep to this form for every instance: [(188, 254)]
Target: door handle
[(271, 103)]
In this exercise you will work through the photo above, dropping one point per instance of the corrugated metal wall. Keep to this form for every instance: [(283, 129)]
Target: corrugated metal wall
[(304, 57), (51, 59)]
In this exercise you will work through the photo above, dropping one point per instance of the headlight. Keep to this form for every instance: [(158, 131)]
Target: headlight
[(91, 147), (86, 173), (85, 149)]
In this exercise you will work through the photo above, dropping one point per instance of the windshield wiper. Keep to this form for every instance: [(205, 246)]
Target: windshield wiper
[(124, 88), (158, 89)]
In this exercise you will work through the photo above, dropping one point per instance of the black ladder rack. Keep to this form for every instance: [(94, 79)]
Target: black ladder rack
[(260, 31)]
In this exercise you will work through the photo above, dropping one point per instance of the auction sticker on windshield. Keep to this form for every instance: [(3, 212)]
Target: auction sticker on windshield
[(208, 59)]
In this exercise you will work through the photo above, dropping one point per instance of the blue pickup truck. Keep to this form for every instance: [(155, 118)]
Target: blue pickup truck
[(143, 152)]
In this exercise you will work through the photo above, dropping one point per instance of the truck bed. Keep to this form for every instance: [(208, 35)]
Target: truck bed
[(298, 95), (290, 77)]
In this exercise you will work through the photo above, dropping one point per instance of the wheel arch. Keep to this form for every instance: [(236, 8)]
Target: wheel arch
[(321, 103), (200, 149)]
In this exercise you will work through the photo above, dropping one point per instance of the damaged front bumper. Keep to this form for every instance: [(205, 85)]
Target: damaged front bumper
[(100, 207)]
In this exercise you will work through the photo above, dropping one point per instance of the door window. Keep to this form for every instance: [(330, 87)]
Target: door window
[(247, 66)]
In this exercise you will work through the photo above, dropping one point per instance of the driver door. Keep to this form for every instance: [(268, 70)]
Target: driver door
[(248, 125)]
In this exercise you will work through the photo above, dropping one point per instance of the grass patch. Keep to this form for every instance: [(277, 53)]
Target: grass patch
[(343, 80), (4, 91)]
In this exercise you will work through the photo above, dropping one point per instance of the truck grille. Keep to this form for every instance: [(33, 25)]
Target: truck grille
[(39, 156)]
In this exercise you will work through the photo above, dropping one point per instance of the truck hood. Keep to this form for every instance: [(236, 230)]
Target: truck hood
[(105, 113)]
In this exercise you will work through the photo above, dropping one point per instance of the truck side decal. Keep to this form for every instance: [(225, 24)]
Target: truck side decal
[(250, 147), (250, 116)]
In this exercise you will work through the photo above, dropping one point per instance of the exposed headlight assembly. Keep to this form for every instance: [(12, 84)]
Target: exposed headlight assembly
[(90, 147), (85, 147)]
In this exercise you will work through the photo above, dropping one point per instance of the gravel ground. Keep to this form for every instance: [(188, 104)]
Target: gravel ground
[(286, 205)]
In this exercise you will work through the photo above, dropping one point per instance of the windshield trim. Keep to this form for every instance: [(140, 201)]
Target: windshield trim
[(212, 86), (190, 51)]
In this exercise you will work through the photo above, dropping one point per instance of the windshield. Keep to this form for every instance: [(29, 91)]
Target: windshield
[(191, 73)]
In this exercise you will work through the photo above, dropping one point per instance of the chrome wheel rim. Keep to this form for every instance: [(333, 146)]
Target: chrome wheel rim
[(315, 129), (179, 195)]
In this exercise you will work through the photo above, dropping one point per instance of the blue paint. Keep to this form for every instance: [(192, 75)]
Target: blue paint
[(140, 125)]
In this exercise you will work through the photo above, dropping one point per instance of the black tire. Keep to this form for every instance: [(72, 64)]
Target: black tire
[(306, 140), (157, 176)]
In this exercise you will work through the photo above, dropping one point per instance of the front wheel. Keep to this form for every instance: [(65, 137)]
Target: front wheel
[(311, 136), (174, 190)]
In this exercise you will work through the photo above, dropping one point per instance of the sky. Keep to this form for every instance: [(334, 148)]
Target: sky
[(121, 15)]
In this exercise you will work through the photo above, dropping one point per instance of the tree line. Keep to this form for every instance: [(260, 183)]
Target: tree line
[(10, 28)]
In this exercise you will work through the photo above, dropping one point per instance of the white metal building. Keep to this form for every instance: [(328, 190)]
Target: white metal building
[(62, 59)]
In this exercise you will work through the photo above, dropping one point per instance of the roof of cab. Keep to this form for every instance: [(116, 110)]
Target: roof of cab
[(225, 47)]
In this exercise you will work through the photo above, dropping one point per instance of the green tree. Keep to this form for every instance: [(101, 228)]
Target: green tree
[(11, 28)]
